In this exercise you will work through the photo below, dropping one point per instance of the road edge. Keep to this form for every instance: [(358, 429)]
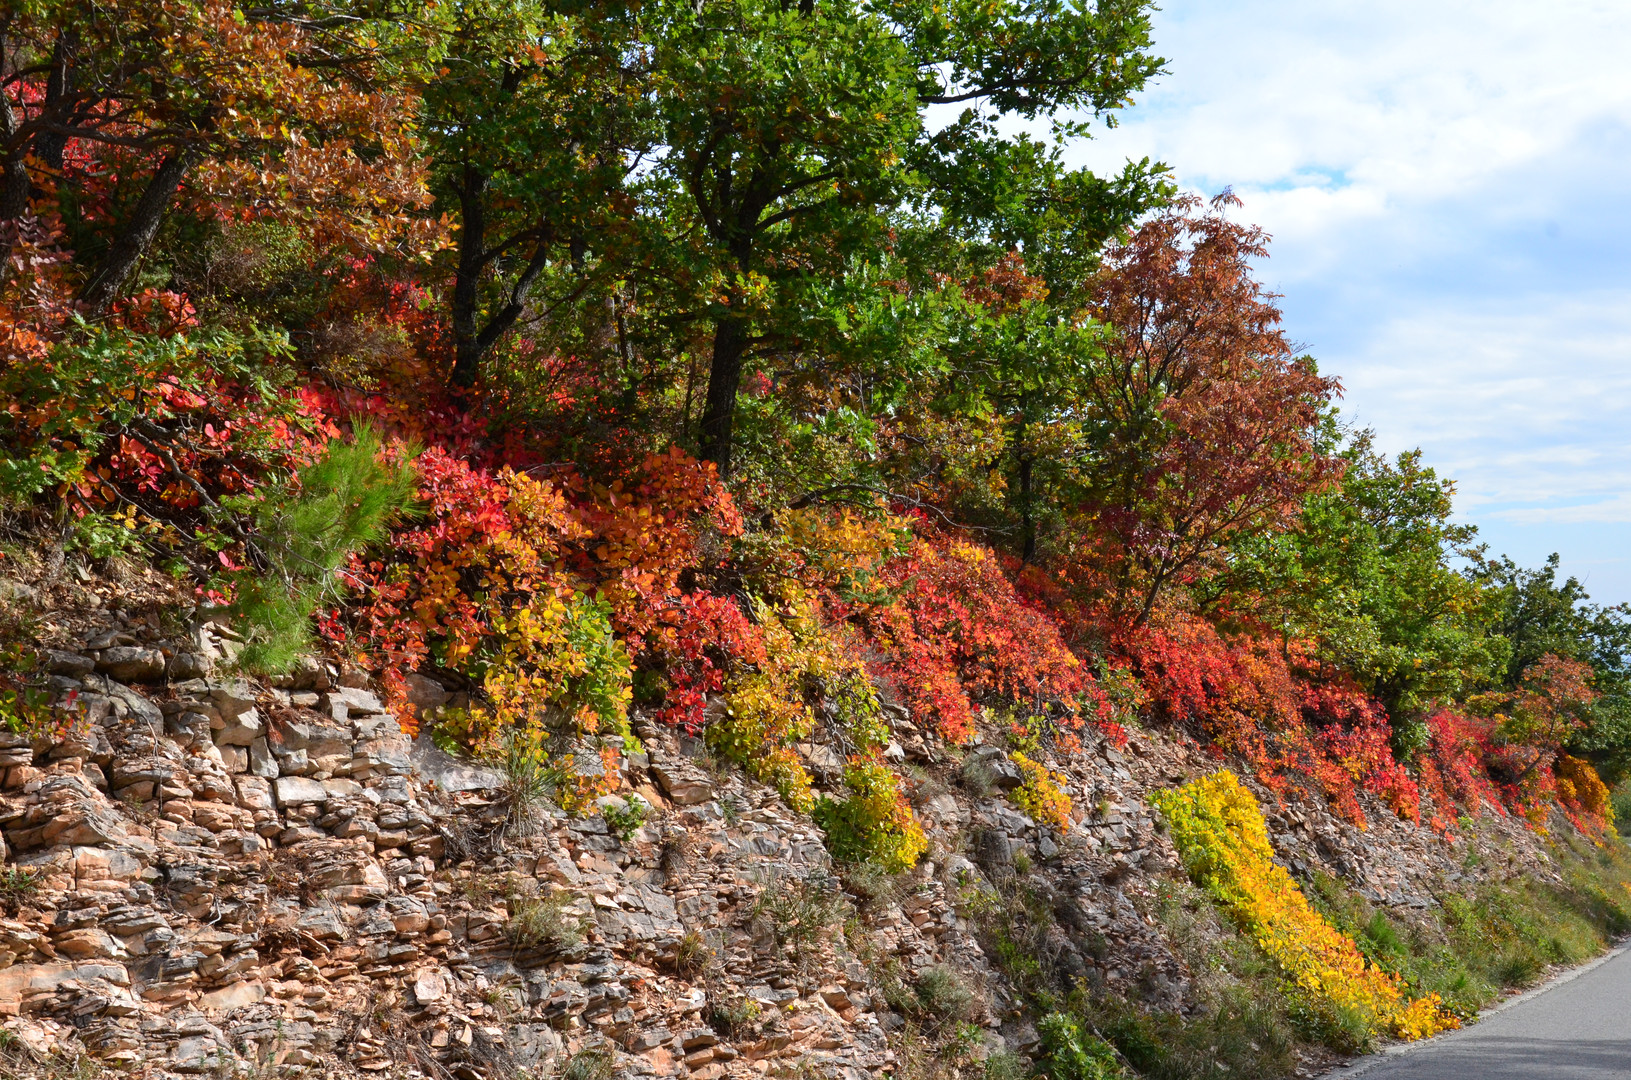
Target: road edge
[(1361, 1066)]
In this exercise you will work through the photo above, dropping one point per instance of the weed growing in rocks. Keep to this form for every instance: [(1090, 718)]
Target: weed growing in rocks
[(734, 1019), (976, 776), (942, 994), (692, 954), (592, 1064), (1004, 1065), (543, 923), (873, 885), (1071, 1053), (531, 781), (1013, 921), (16, 1059), (625, 820), (798, 912), (674, 857), (17, 885), (1242, 1033)]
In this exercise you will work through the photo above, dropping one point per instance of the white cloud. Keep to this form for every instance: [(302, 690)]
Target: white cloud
[(1616, 510), (1525, 400), (1415, 98), (1444, 183)]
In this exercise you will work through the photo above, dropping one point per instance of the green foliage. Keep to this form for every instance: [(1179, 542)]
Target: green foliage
[(106, 536), (530, 120), (625, 820), (306, 530), (875, 823), (1241, 1032), (25, 703), (1367, 574), (1540, 617), (68, 407), (1070, 1053), (1620, 800)]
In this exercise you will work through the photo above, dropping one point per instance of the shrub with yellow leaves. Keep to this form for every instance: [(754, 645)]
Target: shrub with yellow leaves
[(558, 675), (875, 823), (1580, 788), (1041, 795), (766, 710), (1219, 832)]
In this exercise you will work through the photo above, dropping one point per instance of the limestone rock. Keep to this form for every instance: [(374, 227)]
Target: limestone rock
[(189, 665), (683, 782), (1001, 771), (70, 664), (240, 728), (297, 790), (130, 663), (448, 773), (346, 701), (425, 693)]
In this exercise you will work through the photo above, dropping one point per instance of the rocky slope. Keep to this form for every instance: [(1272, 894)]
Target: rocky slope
[(216, 876)]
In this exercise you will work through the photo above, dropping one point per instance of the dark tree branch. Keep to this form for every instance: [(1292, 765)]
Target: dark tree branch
[(108, 283)]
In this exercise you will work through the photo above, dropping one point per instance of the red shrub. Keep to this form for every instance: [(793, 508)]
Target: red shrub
[(958, 633), (1252, 697)]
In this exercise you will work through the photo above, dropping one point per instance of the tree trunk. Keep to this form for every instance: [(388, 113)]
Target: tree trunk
[(467, 279), (15, 185), (49, 145), (109, 281), (470, 341), (724, 377), (1026, 515)]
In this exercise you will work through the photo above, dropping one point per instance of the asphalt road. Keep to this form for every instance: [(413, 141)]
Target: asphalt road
[(1576, 1028)]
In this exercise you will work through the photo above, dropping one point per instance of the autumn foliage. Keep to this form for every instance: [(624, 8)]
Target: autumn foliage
[(1209, 417), (1220, 835), (779, 465)]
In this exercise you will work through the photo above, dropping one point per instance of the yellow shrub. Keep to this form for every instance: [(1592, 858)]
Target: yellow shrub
[(1219, 832), (765, 710), (1040, 796), (1579, 785), (763, 716)]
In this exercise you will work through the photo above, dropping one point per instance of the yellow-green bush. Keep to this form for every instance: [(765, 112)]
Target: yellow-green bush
[(1041, 796), (766, 711), (875, 823), (1219, 832)]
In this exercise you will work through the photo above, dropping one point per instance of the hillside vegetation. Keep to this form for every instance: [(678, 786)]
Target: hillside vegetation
[(735, 370)]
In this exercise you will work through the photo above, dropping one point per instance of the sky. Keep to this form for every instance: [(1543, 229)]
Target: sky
[(1447, 188)]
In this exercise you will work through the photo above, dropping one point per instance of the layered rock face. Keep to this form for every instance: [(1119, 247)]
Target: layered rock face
[(217, 876)]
